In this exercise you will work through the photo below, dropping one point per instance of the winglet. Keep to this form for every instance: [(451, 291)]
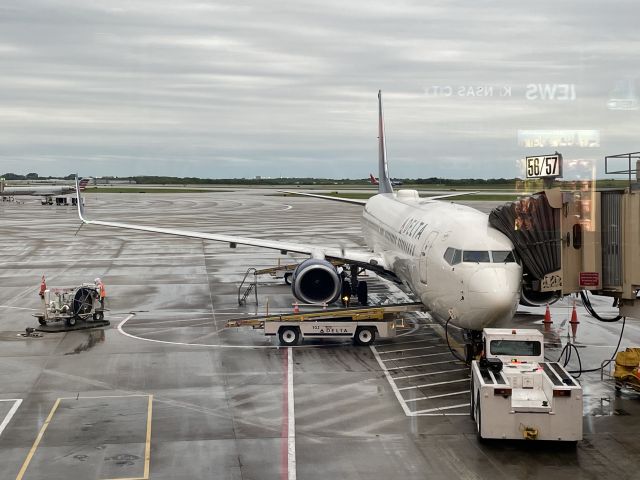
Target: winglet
[(384, 182), (80, 200)]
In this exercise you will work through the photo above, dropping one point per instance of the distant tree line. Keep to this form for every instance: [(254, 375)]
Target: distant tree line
[(157, 180)]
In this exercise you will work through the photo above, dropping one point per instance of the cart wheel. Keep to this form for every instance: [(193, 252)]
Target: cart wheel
[(71, 321), (364, 336), (97, 316), (289, 336), (287, 278), (42, 321)]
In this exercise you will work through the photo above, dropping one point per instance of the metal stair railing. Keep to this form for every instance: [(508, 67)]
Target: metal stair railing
[(252, 287)]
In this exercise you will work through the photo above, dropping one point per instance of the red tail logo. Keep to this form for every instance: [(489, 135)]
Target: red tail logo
[(374, 180)]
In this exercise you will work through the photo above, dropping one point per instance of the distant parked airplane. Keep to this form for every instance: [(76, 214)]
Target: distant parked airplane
[(374, 181), (47, 192)]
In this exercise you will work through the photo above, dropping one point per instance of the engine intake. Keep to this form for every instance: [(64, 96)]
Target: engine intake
[(316, 281)]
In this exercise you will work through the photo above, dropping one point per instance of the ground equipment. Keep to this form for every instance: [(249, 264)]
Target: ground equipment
[(69, 305), (362, 324), (515, 394)]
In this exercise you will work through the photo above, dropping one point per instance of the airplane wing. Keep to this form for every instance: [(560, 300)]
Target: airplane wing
[(353, 201), (362, 257), (438, 197)]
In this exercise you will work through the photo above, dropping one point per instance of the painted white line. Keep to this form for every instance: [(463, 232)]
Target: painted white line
[(441, 372), (209, 345), (17, 308), (409, 349), (439, 409), (393, 385), (443, 414), (426, 385), (7, 418), (422, 365), (442, 395), (291, 420), (416, 356), (286, 207)]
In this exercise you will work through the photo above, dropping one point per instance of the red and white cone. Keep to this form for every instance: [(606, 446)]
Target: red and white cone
[(574, 322)]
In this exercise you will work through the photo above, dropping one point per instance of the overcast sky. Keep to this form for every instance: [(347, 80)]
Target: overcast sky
[(289, 88)]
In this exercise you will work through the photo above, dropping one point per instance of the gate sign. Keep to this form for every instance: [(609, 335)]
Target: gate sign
[(549, 166), (589, 279)]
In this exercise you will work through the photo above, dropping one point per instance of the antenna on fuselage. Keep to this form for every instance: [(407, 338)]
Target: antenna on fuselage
[(384, 182)]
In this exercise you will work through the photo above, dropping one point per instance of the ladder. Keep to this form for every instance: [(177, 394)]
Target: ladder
[(252, 287)]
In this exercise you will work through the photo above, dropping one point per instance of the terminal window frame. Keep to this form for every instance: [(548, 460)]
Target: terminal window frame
[(516, 348)]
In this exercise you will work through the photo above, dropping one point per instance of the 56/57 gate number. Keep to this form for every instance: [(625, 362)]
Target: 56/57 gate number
[(544, 167)]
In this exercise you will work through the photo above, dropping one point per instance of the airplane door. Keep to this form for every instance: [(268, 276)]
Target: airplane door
[(423, 256)]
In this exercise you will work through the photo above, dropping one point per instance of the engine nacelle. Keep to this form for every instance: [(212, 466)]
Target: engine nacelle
[(531, 298), (316, 281)]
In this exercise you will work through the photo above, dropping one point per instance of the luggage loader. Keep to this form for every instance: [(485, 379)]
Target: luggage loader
[(362, 325)]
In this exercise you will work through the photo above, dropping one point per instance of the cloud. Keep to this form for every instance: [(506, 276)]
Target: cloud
[(249, 88)]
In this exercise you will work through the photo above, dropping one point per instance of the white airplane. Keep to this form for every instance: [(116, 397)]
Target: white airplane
[(44, 191), (463, 270)]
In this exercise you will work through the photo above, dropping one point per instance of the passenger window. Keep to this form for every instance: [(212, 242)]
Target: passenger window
[(475, 256), (503, 256), (448, 255)]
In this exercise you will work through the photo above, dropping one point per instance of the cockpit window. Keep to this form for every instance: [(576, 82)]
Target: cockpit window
[(503, 256), (476, 256), (453, 256)]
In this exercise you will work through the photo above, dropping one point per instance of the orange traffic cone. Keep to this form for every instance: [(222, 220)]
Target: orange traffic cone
[(43, 287), (296, 308), (574, 320)]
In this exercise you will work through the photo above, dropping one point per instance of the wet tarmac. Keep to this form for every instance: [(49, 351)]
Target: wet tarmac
[(166, 392)]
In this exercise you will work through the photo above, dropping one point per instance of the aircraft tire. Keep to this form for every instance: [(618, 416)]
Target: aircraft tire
[(289, 336), (364, 336)]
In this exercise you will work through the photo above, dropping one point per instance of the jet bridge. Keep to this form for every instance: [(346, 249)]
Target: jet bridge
[(583, 239)]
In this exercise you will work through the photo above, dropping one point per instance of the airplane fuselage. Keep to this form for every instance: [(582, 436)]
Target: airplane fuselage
[(419, 240)]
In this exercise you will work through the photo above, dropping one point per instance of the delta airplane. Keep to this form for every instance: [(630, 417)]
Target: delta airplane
[(463, 270), (44, 191)]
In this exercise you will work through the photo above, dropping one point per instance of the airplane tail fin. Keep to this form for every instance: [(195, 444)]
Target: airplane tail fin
[(384, 182), (372, 179)]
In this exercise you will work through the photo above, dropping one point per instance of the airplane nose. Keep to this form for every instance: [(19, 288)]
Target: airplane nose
[(494, 280), (494, 293)]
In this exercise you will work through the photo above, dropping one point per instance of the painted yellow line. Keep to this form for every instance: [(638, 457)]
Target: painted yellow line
[(37, 442)]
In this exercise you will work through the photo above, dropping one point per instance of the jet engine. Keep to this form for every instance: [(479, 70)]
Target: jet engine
[(316, 281)]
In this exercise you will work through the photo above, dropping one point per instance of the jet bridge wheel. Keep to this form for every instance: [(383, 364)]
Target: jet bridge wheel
[(289, 336)]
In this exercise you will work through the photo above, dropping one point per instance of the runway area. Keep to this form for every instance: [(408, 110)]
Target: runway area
[(167, 392)]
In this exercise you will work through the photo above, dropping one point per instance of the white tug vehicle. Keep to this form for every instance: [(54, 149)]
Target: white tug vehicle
[(515, 394)]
